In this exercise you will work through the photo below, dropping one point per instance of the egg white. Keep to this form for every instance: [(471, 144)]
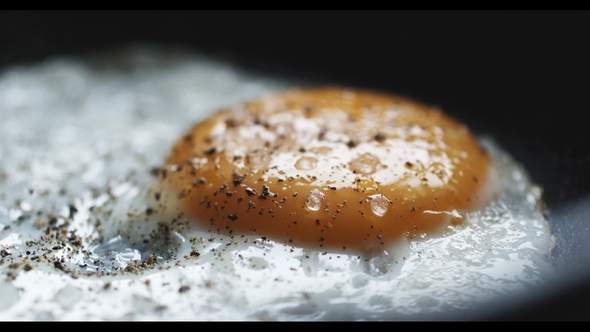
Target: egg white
[(78, 140)]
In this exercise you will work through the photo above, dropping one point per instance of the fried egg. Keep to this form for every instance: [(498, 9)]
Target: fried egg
[(418, 217)]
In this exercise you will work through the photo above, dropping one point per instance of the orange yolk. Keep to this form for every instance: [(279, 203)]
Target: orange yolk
[(328, 169)]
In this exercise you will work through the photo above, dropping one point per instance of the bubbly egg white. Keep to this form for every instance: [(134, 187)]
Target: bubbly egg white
[(79, 240)]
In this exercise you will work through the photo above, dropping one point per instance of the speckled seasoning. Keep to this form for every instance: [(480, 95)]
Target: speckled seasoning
[(86, 232), (303, 135)]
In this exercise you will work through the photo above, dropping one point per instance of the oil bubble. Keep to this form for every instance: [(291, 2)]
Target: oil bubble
[(379, 204), (257, 159), (314, 200), (379, 265), (365, 164), (306, 163)]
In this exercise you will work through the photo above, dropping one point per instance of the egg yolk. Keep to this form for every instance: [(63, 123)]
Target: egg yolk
[(334, 169)]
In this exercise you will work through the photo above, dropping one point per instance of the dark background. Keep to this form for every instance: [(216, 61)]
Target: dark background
[(521, 77)]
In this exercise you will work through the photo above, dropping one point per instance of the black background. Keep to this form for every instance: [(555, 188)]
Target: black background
[(521, 77)]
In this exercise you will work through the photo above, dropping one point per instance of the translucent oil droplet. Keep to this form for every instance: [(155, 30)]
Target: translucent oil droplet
[(379, 204), (380, 264), (306, 163), (321, 150), (365, 164), (314, 200), (257, 159)]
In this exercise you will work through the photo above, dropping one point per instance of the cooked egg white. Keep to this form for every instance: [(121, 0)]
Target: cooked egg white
[(81, 236)]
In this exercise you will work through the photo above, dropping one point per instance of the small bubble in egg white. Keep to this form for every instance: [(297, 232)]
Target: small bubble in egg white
[(306, 163), (365, 164)]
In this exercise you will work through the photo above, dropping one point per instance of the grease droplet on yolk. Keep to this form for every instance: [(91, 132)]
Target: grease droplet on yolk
[(333, 169)]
